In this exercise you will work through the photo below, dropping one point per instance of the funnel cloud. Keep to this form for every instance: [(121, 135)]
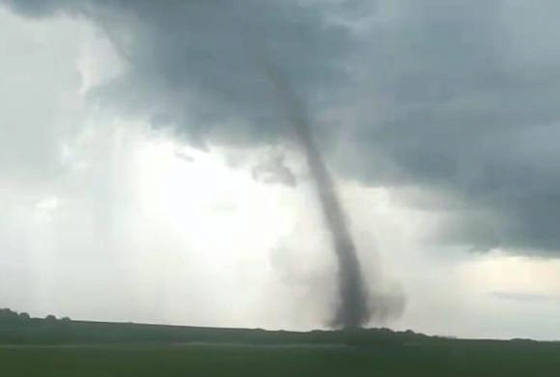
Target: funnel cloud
[(353, 309)]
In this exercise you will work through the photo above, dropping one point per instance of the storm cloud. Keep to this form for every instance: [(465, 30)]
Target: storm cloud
[(457, 99)]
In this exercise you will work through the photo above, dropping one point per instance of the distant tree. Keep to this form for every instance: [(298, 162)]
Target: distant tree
[(7, 315), (50, 318), (66, 319), (24, 316)]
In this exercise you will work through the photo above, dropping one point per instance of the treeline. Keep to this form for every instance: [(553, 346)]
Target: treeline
[(8, 316), (20, 328)]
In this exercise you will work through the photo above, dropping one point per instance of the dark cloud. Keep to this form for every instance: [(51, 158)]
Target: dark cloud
[(457, 97), (37, 8), (194, 64), (463, 115)]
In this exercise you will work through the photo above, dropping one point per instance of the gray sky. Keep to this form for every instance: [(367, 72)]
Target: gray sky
[(130, 133)]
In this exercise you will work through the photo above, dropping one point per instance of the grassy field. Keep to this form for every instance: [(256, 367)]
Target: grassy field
[(462, 359)]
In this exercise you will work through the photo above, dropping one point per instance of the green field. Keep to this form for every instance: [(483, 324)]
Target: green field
[(173, 360)]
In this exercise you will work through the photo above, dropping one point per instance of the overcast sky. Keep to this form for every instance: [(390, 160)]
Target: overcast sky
[(148, 173)]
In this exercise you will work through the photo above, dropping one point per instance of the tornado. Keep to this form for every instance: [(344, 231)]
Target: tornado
[(352, 310)]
